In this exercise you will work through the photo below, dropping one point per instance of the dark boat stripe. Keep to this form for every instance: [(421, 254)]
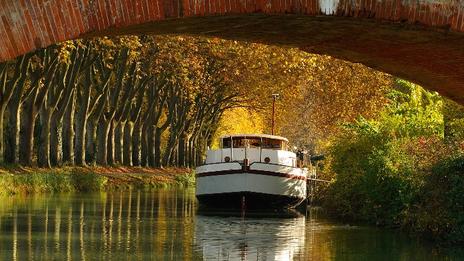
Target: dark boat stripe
[(253, 200), (251, 171)]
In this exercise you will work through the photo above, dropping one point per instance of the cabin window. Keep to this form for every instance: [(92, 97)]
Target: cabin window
[(242, 142), (273, 144), (239, 142), (254, 142), (226, 142)]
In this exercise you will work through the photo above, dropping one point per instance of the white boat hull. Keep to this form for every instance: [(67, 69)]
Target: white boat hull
[(259, 185)]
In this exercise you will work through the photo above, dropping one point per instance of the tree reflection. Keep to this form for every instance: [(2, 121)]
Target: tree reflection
[(81, 233), (15, 236), (119, 225)]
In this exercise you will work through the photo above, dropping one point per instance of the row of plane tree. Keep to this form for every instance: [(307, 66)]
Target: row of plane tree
[(110, 101)]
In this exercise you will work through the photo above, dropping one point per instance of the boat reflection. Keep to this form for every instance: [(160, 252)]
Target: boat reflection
[(249, 236)]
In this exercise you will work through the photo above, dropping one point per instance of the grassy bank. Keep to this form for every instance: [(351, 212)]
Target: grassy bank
[(20, 180)]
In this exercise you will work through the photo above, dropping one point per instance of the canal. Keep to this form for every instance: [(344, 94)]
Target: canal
[(167, 225)]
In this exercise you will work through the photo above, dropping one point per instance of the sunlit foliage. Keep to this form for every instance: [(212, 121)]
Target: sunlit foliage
[(392, 169)]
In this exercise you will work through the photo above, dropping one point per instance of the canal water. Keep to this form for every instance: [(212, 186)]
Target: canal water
[(167, 225)]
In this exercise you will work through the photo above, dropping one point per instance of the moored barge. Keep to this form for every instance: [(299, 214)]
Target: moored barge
[(251, 171)]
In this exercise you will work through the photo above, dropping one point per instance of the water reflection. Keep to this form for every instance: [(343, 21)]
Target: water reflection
[(166, 225), (224, 236)]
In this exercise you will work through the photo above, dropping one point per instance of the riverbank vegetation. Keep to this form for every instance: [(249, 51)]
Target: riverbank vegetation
[(21, 180), (403, 168)]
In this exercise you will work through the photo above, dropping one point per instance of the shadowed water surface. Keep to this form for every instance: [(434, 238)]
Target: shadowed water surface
[(167, 225)]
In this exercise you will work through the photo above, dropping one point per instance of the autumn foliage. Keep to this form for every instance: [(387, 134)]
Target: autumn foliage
[(402, 168)]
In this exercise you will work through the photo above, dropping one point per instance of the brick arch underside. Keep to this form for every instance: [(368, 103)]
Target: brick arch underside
[(422, 41)]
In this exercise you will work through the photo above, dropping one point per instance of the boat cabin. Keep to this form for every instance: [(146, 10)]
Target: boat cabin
[(249, 148)]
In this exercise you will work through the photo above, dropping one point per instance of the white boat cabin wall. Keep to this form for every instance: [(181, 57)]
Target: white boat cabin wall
[(252, 148)]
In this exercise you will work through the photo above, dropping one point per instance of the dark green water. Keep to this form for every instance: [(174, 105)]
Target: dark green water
[(166, 225)]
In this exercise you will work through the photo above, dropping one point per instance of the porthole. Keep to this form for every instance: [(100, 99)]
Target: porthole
[(227, 159), (267, 159)]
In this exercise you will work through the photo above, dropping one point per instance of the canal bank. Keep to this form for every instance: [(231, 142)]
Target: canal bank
[(21, 180)]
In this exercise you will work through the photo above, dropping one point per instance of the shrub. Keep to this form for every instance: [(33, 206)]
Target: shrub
[(186, 180), (439, 212), (51, 182), (374, 181), (88, 181)]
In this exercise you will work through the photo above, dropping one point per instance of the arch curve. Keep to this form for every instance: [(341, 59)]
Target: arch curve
[(418, 40)]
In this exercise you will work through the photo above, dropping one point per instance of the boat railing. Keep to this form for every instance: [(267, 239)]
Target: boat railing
[(242, 163)]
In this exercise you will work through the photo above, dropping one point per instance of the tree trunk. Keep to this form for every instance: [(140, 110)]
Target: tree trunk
[(169, 151), (68, 132), (181, 151), (151, 145), (43, 156), (174, 159), (144, 147), (90, 143), (79, 148), (127, 143), (202, 149), (2, 127), (102, 142), (158, 133), (193, 159), (136, 143), (26, 142), (12, 131), (118, 142), (187, 152), (56, 142), (110, 145)]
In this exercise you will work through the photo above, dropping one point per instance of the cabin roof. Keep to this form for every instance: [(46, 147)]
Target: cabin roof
[(256, 136)]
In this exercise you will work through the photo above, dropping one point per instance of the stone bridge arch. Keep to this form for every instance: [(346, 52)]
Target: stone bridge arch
[(419, 40)]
